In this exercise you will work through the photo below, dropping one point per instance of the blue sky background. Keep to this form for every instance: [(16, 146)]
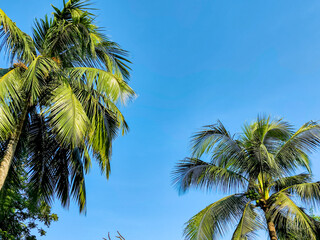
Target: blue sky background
[(193, 62)]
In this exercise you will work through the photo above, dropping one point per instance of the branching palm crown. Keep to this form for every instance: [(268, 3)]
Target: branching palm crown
[(260, 168), (58, 102)]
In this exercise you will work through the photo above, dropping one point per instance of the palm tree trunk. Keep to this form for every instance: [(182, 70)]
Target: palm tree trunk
[(272, 230), (11, 147)]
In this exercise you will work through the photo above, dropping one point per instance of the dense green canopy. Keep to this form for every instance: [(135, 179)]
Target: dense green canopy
[(60, 98)]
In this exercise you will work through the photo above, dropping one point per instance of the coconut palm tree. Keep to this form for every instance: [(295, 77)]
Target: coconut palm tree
[(259, 168), (58, 101), (119, 236)]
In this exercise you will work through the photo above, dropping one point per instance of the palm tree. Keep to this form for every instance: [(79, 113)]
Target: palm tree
[(259, 167), (58, 101), (119, 236)]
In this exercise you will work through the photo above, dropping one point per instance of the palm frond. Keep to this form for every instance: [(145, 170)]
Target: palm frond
[(61, 164), (7, 121), (113, 57), (17, 44), (216, 219), (67, 116), (103, 126), (95, 102), (62, 42), (10, 85), (260, 140), (192, 172), (78, 189), (296, 218), (41, 148), (286, 182), (205, 140), (249, 223), (69, 34), (36, 75), (69, 7), (309, 193), (54, 169), (294, 151), (10, 101), (106, 83), (40, 31), (97, 50), (287, 229), (269, 131)]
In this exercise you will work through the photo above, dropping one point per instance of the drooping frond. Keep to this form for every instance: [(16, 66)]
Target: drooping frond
[(10, 99), (54, 169), (294, 151), (216, 219), (16, 44), (309, 192), (106, 83), (192, 172), (122, 124), (96, 102), (41, 148), (205, 140), (104, 124), (78, 189), (249, 223), (36, 75), (10, 85), (296, 218), (287, 229), (67, 116), (286, 182), (61, 163), (110, 55)]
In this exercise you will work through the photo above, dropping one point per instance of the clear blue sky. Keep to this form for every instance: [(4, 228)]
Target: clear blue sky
[(193, 62)]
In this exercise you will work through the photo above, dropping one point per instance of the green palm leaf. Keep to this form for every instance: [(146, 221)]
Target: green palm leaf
[(248, 225), (293, 152), (78, 189), (15, 42), (195, 173), (10, 85), (205, 140), (36, 75), (10, 101), (308, 192), (282, 204), (106, 83), (286, 182), (215, 220), (67, 116)]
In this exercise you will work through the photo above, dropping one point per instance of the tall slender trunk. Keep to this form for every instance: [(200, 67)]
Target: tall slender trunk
[(11, 147), (271, 227)]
